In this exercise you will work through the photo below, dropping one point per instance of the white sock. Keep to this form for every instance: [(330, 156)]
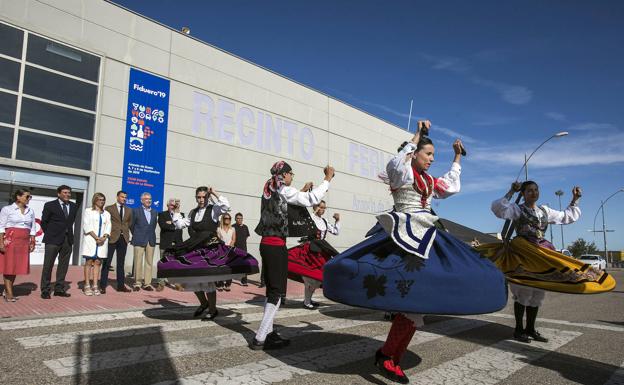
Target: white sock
[(307, 294), (266, 325)]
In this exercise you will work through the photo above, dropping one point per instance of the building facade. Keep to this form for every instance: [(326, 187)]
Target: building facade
[(64, 87)]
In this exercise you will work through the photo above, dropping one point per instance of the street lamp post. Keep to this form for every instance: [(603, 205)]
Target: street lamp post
[(604, 230), (507, 228), (559, 193)]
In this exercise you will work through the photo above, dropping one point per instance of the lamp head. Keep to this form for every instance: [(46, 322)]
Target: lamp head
[(560, 134)]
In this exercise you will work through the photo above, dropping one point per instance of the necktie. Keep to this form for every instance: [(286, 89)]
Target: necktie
[(65, 210), (121, 212)]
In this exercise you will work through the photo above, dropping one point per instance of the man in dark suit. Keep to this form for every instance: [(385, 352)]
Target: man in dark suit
[(169, 235), (57, 222), (143, 227), (121, 218)]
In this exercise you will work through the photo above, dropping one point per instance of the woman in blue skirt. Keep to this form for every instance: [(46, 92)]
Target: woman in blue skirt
[(409, 266)]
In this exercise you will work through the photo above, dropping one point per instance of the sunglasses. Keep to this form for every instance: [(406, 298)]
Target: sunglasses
[(227, 219)]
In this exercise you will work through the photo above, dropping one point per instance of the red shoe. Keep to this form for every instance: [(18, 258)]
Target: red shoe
[(388, 369)]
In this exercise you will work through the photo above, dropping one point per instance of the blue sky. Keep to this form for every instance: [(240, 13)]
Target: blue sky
[(503, 76)]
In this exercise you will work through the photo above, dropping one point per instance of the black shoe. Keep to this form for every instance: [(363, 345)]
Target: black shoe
[(521, 336), (308, 306), (45, 295), (243, 281), (536, 336), (200, 309), (256, 345), (275, 337), (136, 288), (61, 294), (210, 317), (103, 290), (315, 304)]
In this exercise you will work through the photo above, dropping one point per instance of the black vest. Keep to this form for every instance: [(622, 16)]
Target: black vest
[(280, 219), (206, 225)]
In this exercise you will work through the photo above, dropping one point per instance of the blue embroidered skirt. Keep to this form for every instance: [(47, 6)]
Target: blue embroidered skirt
[(378, 274)]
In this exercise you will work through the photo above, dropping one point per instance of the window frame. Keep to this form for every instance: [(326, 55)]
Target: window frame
[(17, 127)]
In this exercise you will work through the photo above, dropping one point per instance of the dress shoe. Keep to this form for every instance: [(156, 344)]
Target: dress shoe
[(275, 339), (123, 290), (314, 303), (62, 294), (210, 317), (308, 306), (136, 288), (148, 288), (103, 290), (535, 335), (45, 295), (256, 345), (521, 336), (200, 309)]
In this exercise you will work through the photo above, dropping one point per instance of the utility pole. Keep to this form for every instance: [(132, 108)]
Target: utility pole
[(559, 193)]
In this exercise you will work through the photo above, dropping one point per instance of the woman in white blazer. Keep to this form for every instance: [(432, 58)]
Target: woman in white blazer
[(96, 228)]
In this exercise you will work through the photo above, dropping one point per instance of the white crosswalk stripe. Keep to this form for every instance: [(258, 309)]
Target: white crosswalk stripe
[(308, 362), (67, 366), (90, 318), (492, 364), (566, 323), (38, 341)]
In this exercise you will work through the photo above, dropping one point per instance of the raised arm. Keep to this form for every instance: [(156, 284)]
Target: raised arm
[(570, 215), (221, 205), (505, 209), (309, 198)]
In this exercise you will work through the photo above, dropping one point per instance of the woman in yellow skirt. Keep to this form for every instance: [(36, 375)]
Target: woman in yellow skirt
[(531, 264)]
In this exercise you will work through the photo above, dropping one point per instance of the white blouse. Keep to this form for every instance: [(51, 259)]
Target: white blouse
[(399, 173), (505, 209), (303, 198), (11, 216), (219, 207), (225, 236), (320, 225)]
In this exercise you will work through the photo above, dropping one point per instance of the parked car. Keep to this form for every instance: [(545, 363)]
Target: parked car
[(566, 252), (594, 260)]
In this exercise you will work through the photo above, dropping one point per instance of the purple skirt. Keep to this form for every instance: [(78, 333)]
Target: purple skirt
[(217, 259)]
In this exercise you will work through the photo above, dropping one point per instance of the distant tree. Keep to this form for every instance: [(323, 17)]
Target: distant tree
[(581, 246)]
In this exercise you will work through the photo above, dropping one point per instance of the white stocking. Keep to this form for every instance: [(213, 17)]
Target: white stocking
[(266, 325)]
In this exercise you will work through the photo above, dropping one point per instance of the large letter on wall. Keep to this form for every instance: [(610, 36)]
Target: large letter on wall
[(203, 111), (273, 134), (307, 150), (226, 119), (245, 117), (291, 129)]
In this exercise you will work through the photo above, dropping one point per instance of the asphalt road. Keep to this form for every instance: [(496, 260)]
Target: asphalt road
[(333, 345)]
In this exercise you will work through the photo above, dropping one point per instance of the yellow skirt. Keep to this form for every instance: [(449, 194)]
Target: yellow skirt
[(525, 263)]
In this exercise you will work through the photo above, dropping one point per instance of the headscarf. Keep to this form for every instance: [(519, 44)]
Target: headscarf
[(277, 178)]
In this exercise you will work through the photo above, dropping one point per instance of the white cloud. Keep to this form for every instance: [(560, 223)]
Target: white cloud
[(446, 63), (556, 116), (592, 126), (573, 150), (510, 93), (452, 134)]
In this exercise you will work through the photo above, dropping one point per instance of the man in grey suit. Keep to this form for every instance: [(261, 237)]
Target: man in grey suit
[(143, 227)]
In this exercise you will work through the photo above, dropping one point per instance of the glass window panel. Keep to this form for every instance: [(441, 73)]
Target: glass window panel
[(62, 58), (6, 144), (47, 85), (8, 106), (57, 119), (11, 41), (9, 74), (52, 150)]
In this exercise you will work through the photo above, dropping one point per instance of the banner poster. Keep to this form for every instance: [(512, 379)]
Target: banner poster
[(145, 147), (36, 203)]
